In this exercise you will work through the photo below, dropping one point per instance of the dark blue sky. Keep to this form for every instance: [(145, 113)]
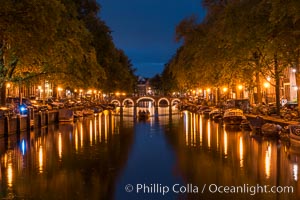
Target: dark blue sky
[(145, 29)]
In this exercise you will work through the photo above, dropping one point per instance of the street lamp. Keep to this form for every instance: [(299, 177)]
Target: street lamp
[(240, 87), (266, 85), (225, 89), (59, 89), (80, 91)]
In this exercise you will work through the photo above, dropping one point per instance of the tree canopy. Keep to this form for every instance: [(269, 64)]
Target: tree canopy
[(63, 41), (237, 42)]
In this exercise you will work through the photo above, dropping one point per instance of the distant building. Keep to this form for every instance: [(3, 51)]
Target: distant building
[(143, 86)]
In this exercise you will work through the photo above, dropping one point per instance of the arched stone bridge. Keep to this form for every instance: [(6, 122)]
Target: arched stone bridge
[(134, 101), (157, 101)]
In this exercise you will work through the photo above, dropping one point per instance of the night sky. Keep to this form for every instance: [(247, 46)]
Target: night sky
[(145, 29)]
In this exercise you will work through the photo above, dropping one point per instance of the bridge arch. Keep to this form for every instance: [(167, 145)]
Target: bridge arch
[(115, 101), (175, 100), (163, 99), (128, 99), (145, 98)]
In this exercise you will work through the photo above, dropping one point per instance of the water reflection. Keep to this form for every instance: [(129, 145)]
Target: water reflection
[(295, 172), (208, 134), (230, 156), (59, 146), (69, 161), (241, 152), (96, 157), (41, 159), (8, 164), (225, 144), (268, 161)]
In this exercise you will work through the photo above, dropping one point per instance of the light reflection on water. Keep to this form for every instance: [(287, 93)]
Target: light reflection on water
[(96, 157)]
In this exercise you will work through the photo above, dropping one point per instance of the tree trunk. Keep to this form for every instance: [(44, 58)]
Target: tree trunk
[(3, 94), (277, 84), (258, 86)]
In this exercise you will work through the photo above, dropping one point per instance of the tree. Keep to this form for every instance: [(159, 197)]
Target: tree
[(27, 29), (118, 68)]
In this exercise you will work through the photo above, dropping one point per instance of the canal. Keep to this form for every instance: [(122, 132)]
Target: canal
[(182, 156)]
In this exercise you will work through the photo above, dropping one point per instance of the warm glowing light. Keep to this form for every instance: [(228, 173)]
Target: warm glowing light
[(41, 159), (75, 90), (80, 90), (95, 91), (95, 128), (105, 127), (91, 133), (208, 134), (59, 89), (59, 146), (225, 143), (76, 139), (295, 88), (39, 87), (186, 122), (81, 135), (201, 131), (8, 85), (268, 161), (9, 175), (217, 129), (294, 70), (241, 152), (295, 172), (266, 85), (208, 90), (240, 87), (194, 129), (123, 93), (117, 93), (100, 127), (225, 89)]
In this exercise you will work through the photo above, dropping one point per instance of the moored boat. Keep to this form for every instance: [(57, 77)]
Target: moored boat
[(143, 115), (65, 115), (294, 133), (78, 114), (233, 116), (87, 112), (270, 130)]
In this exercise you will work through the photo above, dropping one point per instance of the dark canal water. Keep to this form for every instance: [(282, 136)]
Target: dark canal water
[(181, 157)]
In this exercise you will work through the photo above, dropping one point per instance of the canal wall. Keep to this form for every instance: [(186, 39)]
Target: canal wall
[(18, 123)]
